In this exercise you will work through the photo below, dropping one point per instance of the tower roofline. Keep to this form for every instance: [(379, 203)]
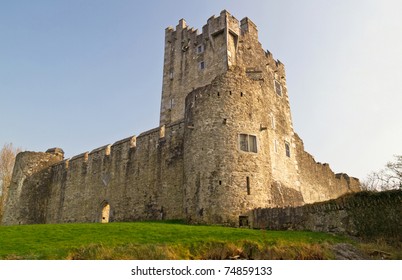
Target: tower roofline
[(244, 24)]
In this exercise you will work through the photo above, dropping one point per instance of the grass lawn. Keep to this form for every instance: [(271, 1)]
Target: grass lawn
[(155, 240)]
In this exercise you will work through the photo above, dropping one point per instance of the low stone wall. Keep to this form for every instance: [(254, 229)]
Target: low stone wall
[(364, 214)]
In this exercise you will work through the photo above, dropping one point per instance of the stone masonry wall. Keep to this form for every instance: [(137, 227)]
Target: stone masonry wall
[(222, 181), (140, 178), (367, 215), (28, 191), (318, 182)]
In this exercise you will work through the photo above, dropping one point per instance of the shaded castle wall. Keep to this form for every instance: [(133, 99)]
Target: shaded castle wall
[(367, 215), (140, 178), (29, 188), (318, 181)]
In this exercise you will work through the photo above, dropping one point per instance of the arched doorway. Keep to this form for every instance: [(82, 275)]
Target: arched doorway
[(105, 213)]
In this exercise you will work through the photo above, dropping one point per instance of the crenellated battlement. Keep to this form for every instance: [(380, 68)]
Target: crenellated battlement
[(82, 156), (214, 26), (145, 139)]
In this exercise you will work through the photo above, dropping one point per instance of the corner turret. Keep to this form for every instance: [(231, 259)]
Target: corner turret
[(25, 203)]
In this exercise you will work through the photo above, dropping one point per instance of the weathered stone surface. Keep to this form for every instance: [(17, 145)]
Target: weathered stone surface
[(56, 151), (225, 145), (367, 215), (28, 192)]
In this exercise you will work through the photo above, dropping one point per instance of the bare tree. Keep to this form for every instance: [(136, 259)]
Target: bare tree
[(386, 179), (7, 159)]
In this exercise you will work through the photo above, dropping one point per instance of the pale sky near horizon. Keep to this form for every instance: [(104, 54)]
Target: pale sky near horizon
[(82, 74)]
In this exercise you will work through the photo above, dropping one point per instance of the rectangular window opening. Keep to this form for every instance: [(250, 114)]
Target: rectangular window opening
[(200, 49), (248, 143), (278, 88), (273, 121), (287, 148), (248, 185), (202, 65)]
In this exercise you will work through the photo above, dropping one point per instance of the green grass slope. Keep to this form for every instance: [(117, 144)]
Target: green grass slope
[(153, 240)]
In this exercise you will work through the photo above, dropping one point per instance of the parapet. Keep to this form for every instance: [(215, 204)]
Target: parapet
[(132, 140), (105, 149), (214, 26), (83, 156)]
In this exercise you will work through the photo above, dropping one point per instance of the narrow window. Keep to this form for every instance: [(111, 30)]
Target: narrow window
[(200, 49), (248, 185), (202, 65), (248, 143), (287, 148), (278, 88), (171, 103), (273, 121)]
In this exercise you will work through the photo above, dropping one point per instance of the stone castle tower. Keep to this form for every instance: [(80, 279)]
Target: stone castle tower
[(225, 146)]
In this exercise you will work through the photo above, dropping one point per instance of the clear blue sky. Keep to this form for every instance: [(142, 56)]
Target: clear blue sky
[(82, 74)]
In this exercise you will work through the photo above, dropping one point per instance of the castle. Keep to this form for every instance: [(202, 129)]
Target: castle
[(225, 145)]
